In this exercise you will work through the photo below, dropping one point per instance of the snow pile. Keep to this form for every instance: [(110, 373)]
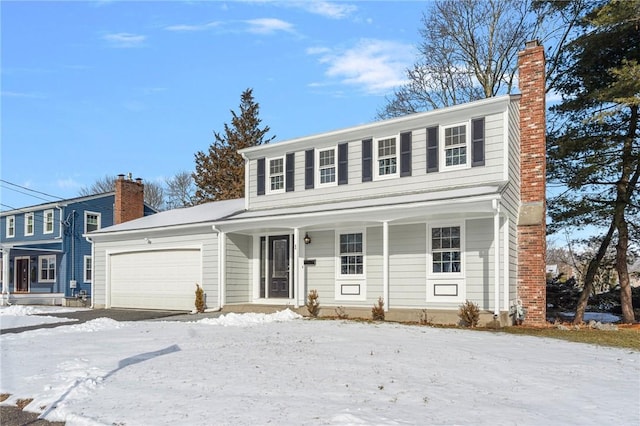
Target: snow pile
[(275, 369), (15, 316), (250, 319)]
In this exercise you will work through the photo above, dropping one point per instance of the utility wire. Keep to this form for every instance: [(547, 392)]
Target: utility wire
[(30, 190)]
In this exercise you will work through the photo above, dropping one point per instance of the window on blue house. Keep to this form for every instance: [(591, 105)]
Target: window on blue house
[(48, 222), (88, 269), (47, 269), (28, 224), (91, 221), (11, 226)]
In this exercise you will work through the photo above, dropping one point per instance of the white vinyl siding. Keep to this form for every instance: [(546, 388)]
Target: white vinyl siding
[(47, 223), (28, 224), (407, 268), (494, 170), (239, 275)]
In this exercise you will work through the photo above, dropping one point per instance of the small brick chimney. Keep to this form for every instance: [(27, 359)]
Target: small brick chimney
[(532, 214), (129, 199)]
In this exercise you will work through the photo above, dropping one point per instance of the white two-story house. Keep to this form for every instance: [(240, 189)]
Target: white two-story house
[(424, 211)]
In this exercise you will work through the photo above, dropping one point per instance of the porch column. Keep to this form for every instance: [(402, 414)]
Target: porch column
[(6, 261), (298, 291), (222, 268), (506, 267), (496, 260), (385, 264)]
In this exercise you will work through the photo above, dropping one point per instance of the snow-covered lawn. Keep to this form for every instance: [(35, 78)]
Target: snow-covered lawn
[(23, 316), (256, 369)]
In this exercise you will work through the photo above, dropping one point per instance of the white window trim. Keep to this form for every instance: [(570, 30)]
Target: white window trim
[(376, 167), (87, 213), (443, 149), (446, 275), (84, 269), (45, 222), (335, 166), (28, 216), (13, 228), (268, 174), (55, 269)]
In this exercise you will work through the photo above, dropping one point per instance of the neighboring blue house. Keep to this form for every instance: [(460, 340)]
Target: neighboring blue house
[(45, 259)]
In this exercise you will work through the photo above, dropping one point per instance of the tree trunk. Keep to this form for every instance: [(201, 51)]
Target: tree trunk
[(594, 264)]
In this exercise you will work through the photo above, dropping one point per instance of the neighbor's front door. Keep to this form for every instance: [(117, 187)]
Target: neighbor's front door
[(279, 266), (22, 275)]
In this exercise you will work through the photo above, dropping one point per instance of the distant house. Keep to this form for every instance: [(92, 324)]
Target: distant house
[(45, 258), (425, 211)]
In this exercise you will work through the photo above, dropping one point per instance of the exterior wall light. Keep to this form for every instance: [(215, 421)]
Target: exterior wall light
[(307, 238)]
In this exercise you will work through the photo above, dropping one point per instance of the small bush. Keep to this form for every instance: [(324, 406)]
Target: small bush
[(377, 313), (341, 313), (199, 299), (469, 314), (313, 305)]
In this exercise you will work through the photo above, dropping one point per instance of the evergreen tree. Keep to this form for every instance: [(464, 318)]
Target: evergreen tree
[(594, 150), (219, 173)]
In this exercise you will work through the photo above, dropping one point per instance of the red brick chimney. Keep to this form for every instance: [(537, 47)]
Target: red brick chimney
[(532, 214), (129, 199)]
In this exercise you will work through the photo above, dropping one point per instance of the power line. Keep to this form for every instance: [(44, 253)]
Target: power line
[(30, 190)]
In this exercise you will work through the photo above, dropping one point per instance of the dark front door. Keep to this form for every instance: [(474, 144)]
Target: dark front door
[(22, 275), (279, 266)]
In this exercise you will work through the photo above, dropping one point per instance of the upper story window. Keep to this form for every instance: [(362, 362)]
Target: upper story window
[(28, 224), (446, 249), (91, 221), (11, 226), (327, 166), (276, 174), (386, 157), (47, 268), (47, 222), (455, 145), (351, 249)]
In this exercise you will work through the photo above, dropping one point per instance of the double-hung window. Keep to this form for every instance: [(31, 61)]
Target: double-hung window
[(88, 269), (276, 174), (48, 222), (387, 157), (28, 224), (47, 268), (11, 226), (455, 145), (91, 221), (351, 248), (446, 250), (327, 166)]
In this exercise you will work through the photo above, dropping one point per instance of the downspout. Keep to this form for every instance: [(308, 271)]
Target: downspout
[(6, 276), (93, 268), (59, 237), (221, 265), (496, 258), (73, 249), (246, 182), (296, 275)]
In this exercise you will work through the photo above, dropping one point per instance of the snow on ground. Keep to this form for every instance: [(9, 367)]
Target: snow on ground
[(258, 369), (24, 316)]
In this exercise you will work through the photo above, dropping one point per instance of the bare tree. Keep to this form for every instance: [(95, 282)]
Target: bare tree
[(180, 190), (153, 192), (469, 51)]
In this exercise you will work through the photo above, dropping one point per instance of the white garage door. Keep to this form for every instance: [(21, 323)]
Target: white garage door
[(161, 279)]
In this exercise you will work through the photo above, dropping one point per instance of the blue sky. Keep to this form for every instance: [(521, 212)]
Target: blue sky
[(99, 88)]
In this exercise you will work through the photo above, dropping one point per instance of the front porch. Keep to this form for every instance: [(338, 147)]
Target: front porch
[(48, 299)]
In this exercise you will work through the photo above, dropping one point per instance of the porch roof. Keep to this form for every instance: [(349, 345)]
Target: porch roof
[(398, 209)]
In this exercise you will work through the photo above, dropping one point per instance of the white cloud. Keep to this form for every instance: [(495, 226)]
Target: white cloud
[(200, 27), (268, 26), (376, 66), (125, 40), (327, 9), (68, 183), (27, 95)]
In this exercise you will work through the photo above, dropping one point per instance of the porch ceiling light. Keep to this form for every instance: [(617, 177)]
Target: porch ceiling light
[(307, 238)]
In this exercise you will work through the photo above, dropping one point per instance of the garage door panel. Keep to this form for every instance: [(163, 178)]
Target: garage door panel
[(159, 279)]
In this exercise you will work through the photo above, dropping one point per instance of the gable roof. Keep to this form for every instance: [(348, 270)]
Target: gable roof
[(202, 213)]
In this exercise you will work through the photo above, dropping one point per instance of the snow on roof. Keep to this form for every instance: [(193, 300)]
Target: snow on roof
[(202, 213)]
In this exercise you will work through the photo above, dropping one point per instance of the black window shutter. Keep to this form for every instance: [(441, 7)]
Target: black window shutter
[(343, 171), (432, 149), (367, 160), (289, 178), (308, 168), (477, 142), (405, 154), (261, 176)]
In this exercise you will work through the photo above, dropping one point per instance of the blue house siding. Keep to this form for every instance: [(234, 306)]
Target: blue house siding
[(62, 244)]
